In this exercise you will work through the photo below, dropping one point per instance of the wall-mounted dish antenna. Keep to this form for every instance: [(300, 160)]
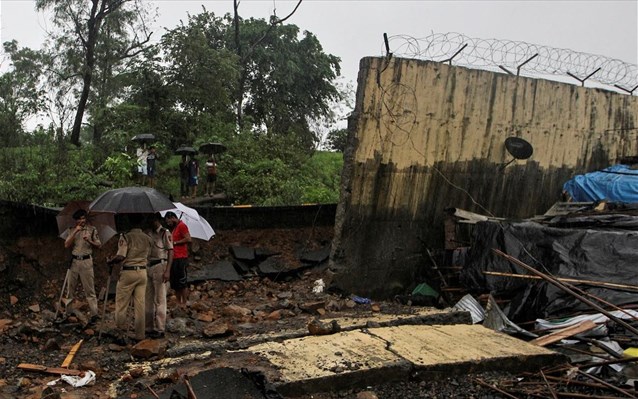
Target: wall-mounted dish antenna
[(518, 148)]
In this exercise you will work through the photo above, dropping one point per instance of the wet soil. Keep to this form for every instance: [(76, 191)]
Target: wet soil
[(242, 312), (248, 310)]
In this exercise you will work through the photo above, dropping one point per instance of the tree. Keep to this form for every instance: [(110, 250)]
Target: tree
[(20, 93), (337, 139), (278, 79), (86, 32)]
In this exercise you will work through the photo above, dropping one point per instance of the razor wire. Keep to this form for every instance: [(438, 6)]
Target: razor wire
[(524, 58)]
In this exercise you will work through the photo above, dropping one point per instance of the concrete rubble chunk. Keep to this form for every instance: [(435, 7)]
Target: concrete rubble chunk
[(317, 327), (276, 267), (236, 311), (242, 253), (316, 256), (222, 270), (312, 307), (217, 328), (218, 383), (351, 359), (261, 252), (148, 348)]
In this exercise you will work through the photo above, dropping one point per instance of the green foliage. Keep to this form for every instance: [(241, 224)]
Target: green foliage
[(118, 168), (19, 92), (337, 139), (48, 175), (262, 97), (264, 170)]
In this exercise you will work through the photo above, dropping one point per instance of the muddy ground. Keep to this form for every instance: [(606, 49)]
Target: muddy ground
[(222, 315)]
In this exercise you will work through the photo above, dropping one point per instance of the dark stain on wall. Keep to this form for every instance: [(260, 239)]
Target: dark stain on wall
[(382, 251)]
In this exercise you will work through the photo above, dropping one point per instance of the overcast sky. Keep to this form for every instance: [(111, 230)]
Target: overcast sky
[(352, 29)]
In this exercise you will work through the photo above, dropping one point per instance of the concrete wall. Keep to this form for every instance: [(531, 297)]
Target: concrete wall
[(426, 136)]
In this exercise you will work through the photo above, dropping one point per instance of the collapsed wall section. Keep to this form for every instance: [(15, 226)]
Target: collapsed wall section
[(426, 136)]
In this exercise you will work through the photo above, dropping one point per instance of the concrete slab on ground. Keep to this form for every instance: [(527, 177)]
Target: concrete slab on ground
[(364, 357), (419, 316)]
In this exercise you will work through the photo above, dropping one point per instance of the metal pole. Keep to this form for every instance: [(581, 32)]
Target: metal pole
[(64, 285), (106, 299)]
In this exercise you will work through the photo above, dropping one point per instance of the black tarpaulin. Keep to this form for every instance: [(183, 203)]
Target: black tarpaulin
[(604, 255)]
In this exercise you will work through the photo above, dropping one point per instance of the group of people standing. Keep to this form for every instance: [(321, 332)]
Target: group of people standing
[(149, 261), (189, 176), (188, 172), (146, 165)]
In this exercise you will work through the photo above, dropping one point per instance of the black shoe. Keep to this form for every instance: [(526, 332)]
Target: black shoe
[(156, 334)]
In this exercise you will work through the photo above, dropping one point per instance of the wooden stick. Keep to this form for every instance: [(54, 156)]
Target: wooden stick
[(605, 383), (485, 384), (155, 395), (568, 280), (49, 370), (564, 287), (189, 388), (557, 335), (69, 358), (548, 386)]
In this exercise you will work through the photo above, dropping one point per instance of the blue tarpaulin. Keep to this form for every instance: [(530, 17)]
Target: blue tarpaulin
[(616, 183)]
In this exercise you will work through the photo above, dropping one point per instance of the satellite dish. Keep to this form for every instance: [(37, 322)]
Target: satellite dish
[(518, 148)]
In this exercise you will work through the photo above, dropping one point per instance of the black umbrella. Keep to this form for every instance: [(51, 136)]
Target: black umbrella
[(212, 148), (185, 151), (131, 200), (144, 138)]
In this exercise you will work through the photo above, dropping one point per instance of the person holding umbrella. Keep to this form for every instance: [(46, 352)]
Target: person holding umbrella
[(178, 276), (134, 250), (183, 176), (158, 273), (83, 237), (211, 176)]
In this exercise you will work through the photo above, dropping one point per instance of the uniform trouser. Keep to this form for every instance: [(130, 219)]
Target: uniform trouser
[(83, 270), (156, 298), (183, 186), (132, 283)]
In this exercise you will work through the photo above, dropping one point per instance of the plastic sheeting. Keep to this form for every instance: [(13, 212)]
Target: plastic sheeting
[(616, 183), (586, 254)]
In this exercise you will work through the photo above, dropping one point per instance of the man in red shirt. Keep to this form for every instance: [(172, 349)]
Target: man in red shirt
[(178, 276)]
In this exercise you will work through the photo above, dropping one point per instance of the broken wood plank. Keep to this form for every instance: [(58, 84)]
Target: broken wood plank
[(49, 370), (564, 333), (69, 358)]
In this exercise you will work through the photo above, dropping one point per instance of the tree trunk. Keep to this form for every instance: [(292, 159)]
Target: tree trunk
[(242, 79), (93, 25), (79, 114)]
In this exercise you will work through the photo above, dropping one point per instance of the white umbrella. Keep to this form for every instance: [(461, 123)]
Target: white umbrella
[(197, 225)]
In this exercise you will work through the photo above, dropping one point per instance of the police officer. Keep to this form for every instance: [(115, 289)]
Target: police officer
[(83, 238), (158, 273), (134, 250)]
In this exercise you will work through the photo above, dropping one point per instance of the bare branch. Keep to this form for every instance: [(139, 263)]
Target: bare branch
[(271, 27), (289, 15), (137, 46)]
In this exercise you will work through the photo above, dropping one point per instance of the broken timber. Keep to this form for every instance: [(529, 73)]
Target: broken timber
[(623, 287), (69, 358), (564, 333), (49, 370)]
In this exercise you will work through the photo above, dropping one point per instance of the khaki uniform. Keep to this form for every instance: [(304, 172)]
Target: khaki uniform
[(135, 246), (156, 287), (82, 266)]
